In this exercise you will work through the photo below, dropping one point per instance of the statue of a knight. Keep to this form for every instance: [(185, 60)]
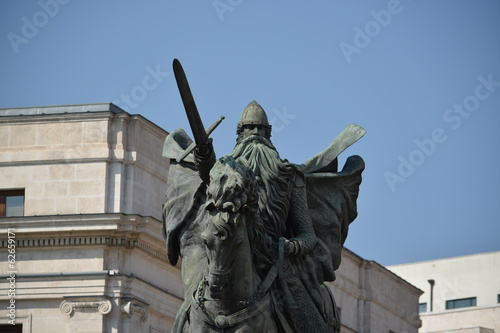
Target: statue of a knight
[(306, 210), (283, 207)]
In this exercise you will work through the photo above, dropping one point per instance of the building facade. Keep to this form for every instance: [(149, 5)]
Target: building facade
[(462, 294), (89, 256), (373, 299), (81, 192)]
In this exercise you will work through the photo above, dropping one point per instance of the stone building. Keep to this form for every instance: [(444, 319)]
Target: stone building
[(373, 299), (462, 294), (81, 190)]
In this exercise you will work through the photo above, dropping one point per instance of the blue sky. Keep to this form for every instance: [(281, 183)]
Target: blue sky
[(422, 77)]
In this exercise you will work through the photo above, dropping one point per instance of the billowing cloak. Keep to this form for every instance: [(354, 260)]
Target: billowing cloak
[(331, 199), (183, 212)]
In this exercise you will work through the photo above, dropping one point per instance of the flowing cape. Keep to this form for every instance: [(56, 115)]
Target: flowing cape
[(182, 218), (331, 199), (183, 187)]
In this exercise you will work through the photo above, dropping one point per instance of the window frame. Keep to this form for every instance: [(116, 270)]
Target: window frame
[(473, 302), (4, 194)]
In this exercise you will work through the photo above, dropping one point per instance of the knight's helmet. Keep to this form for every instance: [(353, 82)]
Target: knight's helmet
[(254, 114)]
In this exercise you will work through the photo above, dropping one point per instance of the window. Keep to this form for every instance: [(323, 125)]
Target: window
[(498, 298), (12, 203), (460, 303), (7, 328), (422, 307)]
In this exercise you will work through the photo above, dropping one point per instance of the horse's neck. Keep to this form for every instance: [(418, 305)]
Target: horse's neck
[(242, 286), (244, 278)]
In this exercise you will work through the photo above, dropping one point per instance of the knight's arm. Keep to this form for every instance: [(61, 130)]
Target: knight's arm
[(304, 238), (205, 160)]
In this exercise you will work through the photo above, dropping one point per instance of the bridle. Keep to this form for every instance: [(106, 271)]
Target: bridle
[(255, 305)]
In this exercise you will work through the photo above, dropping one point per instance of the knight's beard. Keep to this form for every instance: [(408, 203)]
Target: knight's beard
[(260, 154), (274, 177)]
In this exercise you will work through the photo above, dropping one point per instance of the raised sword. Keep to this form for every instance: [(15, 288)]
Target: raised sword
[(203, 145)]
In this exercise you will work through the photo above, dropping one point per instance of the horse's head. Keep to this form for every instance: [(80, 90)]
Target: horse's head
[(230, 197)]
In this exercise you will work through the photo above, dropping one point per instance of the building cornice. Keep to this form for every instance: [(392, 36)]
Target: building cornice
[(73, 112), (117, 230), (64, 108), (55, 118), (149, 126)]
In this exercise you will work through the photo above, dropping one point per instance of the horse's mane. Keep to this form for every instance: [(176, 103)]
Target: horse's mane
[(233, 189)]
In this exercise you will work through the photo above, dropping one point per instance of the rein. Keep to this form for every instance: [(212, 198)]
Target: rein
[(253, 306)]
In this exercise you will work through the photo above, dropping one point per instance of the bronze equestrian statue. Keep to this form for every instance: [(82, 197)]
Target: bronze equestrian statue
[(257, 235)]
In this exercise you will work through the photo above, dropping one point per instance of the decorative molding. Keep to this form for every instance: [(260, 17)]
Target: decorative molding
[(132, 306), (126, 242), (103, 306), (47, 117), (101, 159)]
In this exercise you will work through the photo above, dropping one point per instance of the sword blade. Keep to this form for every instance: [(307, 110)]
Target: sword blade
[(200, 136)]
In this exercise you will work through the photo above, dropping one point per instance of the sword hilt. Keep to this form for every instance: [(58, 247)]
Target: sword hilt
[(193, 145)]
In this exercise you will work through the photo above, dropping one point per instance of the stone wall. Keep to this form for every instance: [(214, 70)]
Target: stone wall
[(84, 163), (59, 160), (90, 273), (373, 299)]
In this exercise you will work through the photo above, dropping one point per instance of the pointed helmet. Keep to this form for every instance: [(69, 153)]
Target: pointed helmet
[(253, 114)]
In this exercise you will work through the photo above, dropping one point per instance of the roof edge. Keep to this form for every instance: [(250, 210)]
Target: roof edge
[(58, 109)]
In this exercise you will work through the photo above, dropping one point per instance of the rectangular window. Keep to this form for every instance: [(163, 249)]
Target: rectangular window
[(11, 203), (422, 307), (7, 328), (498, 298), (460, 303)]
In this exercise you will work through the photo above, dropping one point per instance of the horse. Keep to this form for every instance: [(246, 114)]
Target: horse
[(231, 297)]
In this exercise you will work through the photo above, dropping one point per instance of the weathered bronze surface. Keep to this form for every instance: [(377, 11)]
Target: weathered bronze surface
[(258, 235)]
